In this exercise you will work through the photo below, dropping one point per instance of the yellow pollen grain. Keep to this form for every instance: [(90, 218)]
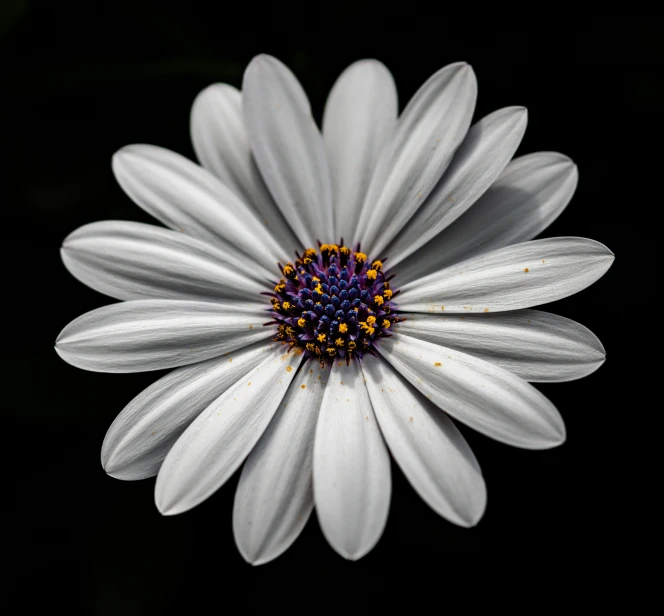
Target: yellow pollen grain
[(289, 368), (343, 328), (277, 306), (344, 250), (332, 351), (316, 279), (386, 323), (377, 265), (287, 305), (526, 270), (230, 360), (371, 320), (388, 293), (438, 364), (307, 261), (352, 344), (304, 386), (280, 288), (486, 310), (371, 274), (310, 346), (356, 309), (321, 337), (301, 322), (360, 257), (339, 342), (378, 299)]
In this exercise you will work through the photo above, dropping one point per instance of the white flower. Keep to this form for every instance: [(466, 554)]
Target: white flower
[(315, 431)]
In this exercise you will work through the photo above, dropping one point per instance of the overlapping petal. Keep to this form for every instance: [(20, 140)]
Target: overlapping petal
[(142, 335), (220, 438), (360, 116), (221, 144), (527, 197), (478, 393), (510, 278), (484, 153), (535, 345), (288, 148), (130, 260), (431, 127), (144, 432), (428, 447), (274, 497), (186, 197), (352, 482)]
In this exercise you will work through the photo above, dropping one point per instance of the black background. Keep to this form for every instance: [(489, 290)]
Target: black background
[(81, 82)]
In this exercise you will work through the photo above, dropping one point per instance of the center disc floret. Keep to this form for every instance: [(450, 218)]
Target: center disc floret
[(333, 302)]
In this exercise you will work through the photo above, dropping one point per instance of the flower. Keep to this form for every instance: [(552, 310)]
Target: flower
[(307, 359)]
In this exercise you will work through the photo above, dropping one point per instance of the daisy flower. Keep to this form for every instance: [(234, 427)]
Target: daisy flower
[(328, 298)]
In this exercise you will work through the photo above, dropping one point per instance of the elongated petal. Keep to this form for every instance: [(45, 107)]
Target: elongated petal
[(478, 393), (186, 197), (130, 260), (360, 116), (144, 432), (484, 153), (352, 482), (430, 129), (275, 495), (288, 148), (150, 334), (221, 144), (511, 278), (535, 345), (428, 447), (220, 438), (527, 197)]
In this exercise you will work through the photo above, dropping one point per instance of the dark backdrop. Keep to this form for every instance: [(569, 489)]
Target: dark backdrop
[(81, 82)]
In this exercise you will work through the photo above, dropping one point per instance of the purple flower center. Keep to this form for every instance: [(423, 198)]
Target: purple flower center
[(333, 302)]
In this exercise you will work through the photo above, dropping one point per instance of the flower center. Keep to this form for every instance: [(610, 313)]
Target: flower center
[(333, 302)]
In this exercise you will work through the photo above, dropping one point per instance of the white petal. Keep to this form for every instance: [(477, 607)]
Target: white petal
[(430, 129), (484, 153), (220, 438), (288, 148), (428, 447), (130, 260), (352, 482), (535, 345), (487, 398), (187, 198), (360, 116), (152, 334), (275, 495), (144, 432), (221, 144), (527, 197), (510, 278)]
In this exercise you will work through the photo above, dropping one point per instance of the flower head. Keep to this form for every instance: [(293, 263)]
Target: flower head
[(305, 360)]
